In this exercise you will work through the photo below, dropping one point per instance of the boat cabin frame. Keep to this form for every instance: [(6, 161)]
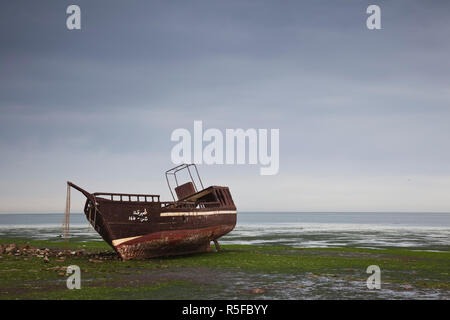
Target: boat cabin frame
[(187, 188)]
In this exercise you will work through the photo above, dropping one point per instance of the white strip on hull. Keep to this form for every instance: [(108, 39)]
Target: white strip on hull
[(196, 213), (119, 241)]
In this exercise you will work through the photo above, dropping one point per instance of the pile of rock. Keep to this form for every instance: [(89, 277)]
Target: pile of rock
[(46, 253), (27, 250), (14, 249)]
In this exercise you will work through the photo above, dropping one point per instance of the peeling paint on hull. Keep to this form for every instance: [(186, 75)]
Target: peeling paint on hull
[(168, 243)]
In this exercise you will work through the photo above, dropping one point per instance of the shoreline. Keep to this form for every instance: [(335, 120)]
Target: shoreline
[(237, 272)]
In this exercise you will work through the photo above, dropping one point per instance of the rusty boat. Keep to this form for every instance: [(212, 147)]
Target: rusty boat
[(140, 226)]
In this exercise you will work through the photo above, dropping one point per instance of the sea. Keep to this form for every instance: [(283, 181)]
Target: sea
[(422, 231)]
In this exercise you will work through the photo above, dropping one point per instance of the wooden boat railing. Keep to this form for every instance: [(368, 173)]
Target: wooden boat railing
[(123, 197), (149, 198)]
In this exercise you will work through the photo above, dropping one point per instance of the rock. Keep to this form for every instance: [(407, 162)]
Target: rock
[(58, 268), (95, 261), (257, 291), (12, 248), (46, 259)]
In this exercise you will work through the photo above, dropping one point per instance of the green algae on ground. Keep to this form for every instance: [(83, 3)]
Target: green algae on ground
[(201, 276)]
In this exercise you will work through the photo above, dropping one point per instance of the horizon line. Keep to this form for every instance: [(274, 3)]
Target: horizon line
[(259, 211)]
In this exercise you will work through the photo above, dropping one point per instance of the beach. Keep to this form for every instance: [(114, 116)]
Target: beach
[(267, 256)]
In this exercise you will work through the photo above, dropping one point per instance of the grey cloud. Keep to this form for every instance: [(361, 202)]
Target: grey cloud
[(346, 100)]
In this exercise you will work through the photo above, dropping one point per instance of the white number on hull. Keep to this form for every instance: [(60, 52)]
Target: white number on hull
[(138, 216)]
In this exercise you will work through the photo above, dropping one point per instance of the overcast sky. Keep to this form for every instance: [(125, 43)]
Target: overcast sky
[(364, 115)]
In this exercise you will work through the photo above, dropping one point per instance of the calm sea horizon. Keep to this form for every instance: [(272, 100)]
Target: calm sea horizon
[(419, 230)]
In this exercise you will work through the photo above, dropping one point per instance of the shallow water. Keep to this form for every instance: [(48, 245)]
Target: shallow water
[(313, 287), (424, 231)]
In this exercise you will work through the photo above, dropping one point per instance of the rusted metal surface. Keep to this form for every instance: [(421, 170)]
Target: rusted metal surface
[(185, 190), (141, 226), (167, 243)]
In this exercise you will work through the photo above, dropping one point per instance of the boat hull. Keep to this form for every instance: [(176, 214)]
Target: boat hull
[(137, 230), (169, 243), (140, 226)]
